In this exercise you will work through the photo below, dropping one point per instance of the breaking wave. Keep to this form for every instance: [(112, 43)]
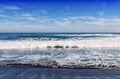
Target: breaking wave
[(61, 50), (68, 43), (49, 36)]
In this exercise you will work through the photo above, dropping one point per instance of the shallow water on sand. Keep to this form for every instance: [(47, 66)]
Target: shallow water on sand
[(53, 73)]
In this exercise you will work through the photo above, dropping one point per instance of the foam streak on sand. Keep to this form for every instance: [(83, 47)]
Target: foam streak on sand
[(83, 43)]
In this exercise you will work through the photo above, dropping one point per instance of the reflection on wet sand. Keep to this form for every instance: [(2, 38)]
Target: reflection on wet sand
[(53, 73)]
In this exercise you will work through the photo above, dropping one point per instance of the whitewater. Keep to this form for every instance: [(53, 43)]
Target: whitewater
[(61, 50), (82, 43)]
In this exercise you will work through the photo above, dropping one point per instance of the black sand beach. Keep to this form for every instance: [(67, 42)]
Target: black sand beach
[(25, 72)]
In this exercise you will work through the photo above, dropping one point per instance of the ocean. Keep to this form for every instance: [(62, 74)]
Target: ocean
[(57, 53)]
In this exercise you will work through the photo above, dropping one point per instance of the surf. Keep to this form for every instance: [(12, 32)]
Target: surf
[(68, 43)]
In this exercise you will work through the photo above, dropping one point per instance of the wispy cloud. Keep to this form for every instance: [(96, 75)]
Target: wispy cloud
[(27, 15), (89, 20), (75, 23), (3, 16), (9, 7), (104, 22), (67, 21), (24, 17), (62, 23)]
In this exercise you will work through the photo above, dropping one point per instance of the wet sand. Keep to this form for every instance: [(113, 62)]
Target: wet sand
[(26, 72)]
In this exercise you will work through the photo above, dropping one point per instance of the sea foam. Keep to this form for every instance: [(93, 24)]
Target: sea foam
[(68, 43), (71, 53)]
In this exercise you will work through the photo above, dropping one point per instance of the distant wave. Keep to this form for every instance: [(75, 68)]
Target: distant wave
[(39, 39), (53, 36)]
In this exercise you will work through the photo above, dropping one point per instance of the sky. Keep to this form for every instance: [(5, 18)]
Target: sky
[(59, 15)]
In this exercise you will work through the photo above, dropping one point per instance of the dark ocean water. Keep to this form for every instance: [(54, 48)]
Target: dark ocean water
[(10, 36)]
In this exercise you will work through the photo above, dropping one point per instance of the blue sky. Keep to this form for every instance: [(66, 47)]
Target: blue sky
[(59, 15)]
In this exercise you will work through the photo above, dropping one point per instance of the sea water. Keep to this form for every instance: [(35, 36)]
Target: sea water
[(99, 50)]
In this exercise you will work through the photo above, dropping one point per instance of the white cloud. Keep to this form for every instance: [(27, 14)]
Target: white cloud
[(89, 20), (2, 15), (62, 23), (82, 18), (104, 22), (4, 8), (10, 7), (76, 21), (26, 16)]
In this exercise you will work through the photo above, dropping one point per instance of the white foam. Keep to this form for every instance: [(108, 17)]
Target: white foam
[(83, 43), (89, 56)]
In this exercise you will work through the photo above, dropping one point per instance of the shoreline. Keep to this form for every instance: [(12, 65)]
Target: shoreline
[(55, 65)]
